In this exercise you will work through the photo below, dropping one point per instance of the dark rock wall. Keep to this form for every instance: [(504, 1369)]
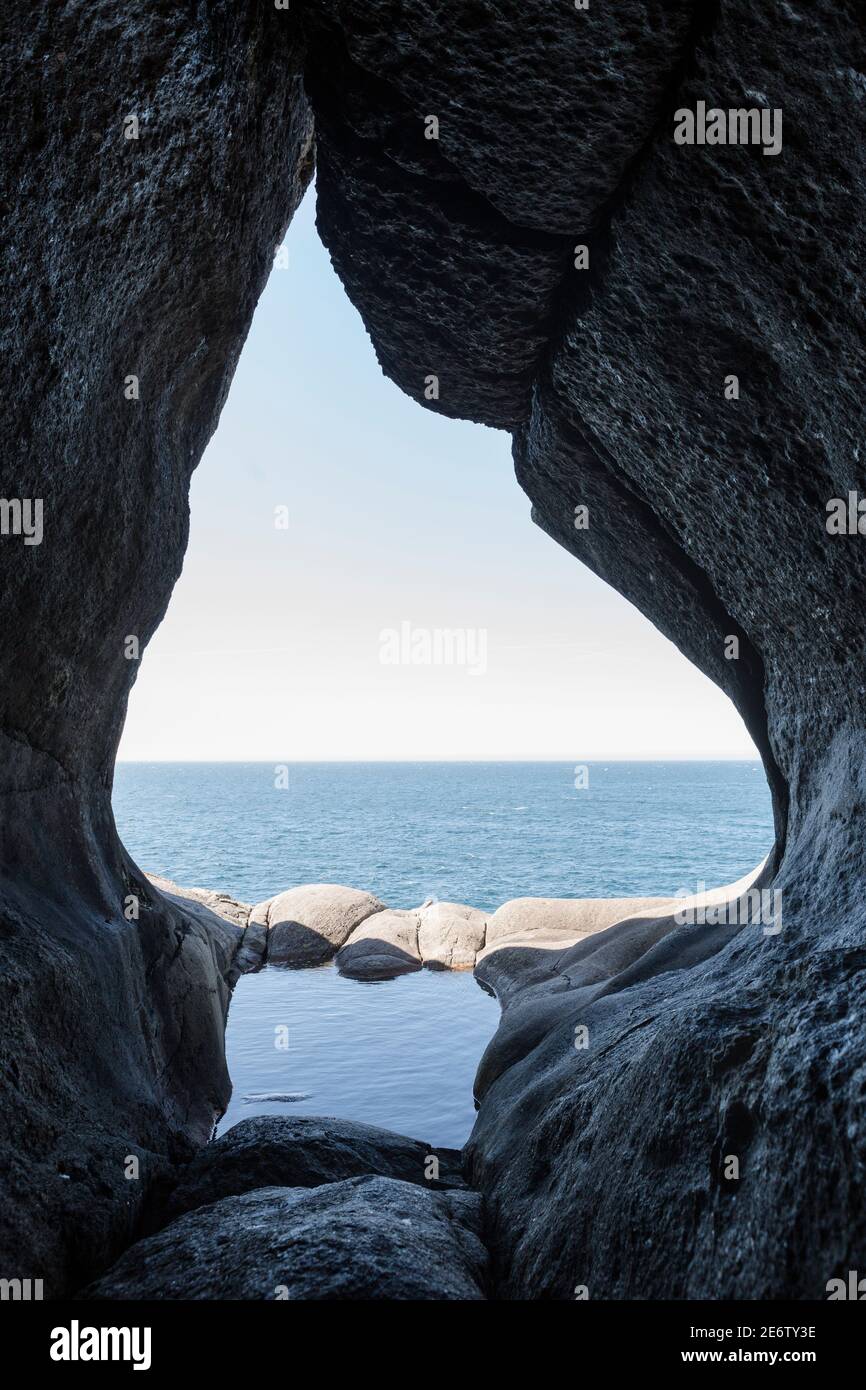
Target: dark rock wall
[(472, 234), (605, 1168), (121, 257)]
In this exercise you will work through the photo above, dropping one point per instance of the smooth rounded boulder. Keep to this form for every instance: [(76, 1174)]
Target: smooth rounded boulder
[(386, 945), (308, 924), (450, 935), (558, 921)]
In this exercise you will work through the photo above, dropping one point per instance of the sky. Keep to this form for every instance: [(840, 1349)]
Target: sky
[(338, 530)]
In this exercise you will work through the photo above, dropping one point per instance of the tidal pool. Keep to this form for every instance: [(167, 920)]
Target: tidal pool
[(400, 1053)]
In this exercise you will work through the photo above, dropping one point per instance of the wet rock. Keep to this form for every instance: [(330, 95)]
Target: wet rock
[(365, 1238)]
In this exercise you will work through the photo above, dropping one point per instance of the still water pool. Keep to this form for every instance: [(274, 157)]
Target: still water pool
[(400, 1053), (403, 1053)]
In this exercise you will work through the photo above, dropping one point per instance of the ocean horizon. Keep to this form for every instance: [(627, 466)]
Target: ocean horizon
[(475, 832), (402, 1053)]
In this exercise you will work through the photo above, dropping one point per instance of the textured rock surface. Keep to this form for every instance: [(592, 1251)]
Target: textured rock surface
[(539, 984), (366, 1238), (223, 904), (204, 905), (751, 1052), (302, 1151), (121, 258), (472, 234), (528, 938), (563, 943), (308, 924), (602, 1167)]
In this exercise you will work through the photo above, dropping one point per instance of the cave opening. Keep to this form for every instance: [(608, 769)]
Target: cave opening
[(374, 673), (670, 335)]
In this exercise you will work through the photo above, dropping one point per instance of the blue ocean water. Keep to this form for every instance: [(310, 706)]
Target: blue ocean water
[(403, 1053), (478, 833)]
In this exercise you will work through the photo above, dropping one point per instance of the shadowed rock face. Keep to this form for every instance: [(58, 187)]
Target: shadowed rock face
[(315, 922), (367, 1238), (122, 258), (308, 924), (605, 1166), (300, 1151), (383, 946), (471, 234)]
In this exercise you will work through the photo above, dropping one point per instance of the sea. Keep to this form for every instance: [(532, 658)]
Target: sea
[(402, 1053)]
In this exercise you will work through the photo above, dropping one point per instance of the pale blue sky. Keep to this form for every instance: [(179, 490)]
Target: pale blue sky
[(271, 645)]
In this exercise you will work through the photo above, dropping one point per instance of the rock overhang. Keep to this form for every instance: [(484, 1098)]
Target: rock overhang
[(461, 249)]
